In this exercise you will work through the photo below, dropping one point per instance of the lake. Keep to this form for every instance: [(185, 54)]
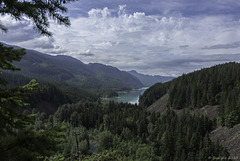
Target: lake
[(130, 96)]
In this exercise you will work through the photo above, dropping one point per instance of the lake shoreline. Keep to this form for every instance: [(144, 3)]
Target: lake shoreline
[(131, 96)]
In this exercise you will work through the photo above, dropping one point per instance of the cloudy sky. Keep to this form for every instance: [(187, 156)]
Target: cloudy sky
[(158, 37)]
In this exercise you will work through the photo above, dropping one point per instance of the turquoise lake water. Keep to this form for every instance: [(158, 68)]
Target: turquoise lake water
[(130, 97)]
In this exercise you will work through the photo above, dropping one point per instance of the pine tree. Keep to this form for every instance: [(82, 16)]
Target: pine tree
[(38, 11), (18, 139), (10, 99)]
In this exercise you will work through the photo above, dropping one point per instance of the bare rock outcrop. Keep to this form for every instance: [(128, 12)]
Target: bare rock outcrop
[(228, 138)]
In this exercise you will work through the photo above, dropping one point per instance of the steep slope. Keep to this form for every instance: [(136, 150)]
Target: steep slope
[(153, 93), (51, 67), (228, 138), (218, 85), (160, 105), (74, 72), (51, 94), (149, 80), (109, 73), (213, 92)]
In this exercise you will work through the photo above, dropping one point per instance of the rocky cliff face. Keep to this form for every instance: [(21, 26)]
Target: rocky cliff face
[(228, 138)]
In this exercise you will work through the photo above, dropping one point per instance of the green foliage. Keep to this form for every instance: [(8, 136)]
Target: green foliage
[(145, 152), (18, 139), (49, 93), (53, 92), (10, 99), (231, 119), (152, 94), (8, 55), (76, 141), (28, 144), (127, 132), (103, 156), (105, 141), (73, 72), (136, 134), (57, 157), (38, 11), (217, 85)]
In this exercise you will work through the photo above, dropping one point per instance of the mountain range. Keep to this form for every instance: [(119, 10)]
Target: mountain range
[(149, 80), (199, 110), (74, 72)]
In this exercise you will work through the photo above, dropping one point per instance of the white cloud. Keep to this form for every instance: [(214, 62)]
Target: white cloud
[(17, 30), (154, 44)]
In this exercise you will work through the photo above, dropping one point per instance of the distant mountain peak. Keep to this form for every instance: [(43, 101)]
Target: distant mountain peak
[(149, 80)]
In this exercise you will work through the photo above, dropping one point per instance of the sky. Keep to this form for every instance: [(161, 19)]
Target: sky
[(156, 37)]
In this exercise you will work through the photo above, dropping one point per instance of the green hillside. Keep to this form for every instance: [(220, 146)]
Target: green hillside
[(74, 72), (51, 94), (217, 85), (88, 129)]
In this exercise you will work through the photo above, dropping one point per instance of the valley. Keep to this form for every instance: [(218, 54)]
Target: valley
[(119, 80), (128, 96), (191, 117)]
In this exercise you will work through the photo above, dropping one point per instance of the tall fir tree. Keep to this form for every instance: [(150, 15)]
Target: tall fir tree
[(18, 139)]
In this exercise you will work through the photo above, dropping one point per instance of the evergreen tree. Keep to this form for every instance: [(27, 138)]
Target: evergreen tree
[(18, 141), (38, 11)]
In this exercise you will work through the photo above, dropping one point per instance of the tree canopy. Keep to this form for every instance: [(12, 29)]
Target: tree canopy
[(18, 138), (217, 85), (37, 11)]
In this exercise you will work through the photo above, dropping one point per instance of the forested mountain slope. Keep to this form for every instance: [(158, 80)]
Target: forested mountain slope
[(132, 133), (74, 72), (120, 131), (51, 94), (217, 85), (110, 76), (213, 92)]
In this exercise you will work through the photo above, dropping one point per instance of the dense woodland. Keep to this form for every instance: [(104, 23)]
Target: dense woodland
[(218, 85), (83, 128), (87, 129), (71, 71), (132, 133)]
